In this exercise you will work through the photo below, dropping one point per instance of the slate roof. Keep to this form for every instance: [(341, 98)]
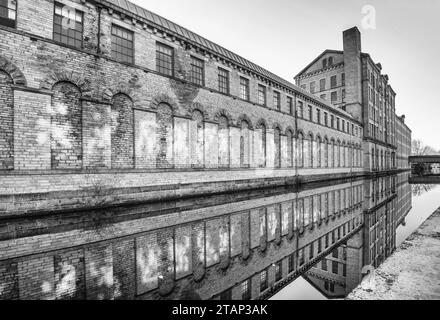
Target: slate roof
[(155, 19)]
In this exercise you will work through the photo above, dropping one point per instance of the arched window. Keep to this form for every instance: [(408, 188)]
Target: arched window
[(326, 153), (319, 152), (122, 132), (332, 154), (164, 136), (300, 213), (261, 145), (6, 122), (277, 145), (66, 127), (289, 139), (198, 138), (309, 151), (337, 154), (342, 155), (245, 149), (223, 142), (300, 147)]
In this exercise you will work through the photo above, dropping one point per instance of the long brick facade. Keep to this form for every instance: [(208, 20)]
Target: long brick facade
[(71, 110)]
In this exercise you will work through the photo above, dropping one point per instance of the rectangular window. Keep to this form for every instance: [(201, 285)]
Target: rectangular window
[(337, 123), (335, 267), (332, 124), (311, 251), (291, 263), (67, 25), (223, 81), (263, 281), (335, 253), (326, 119), (300, 110), (322, 85), (276, 100), (333, 82), (320, 245), (197, 74), (310, 113), (246, 290), (334, 97), (326, 241), (318, 116), (343, 94), (312, 87), (278, 271), (261, 95), (324, 265), (164, 59), (290, 105), (244, 89), (343, 79), (8, 13)]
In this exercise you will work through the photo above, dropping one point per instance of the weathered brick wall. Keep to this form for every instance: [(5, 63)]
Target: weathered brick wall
[(6, 122), (66, 127), (56, 66)]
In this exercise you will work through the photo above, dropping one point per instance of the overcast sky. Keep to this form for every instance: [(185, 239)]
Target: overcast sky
[(283, 36)]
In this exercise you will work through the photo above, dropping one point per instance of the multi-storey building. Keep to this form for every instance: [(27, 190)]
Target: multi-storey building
[(106, 92), (353, 82), (403, 142)]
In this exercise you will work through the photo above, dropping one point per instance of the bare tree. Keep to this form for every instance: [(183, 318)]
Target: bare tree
[(420, 149)]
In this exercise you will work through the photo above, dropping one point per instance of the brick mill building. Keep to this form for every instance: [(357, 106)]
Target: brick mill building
[(105, 105), (353, 82)]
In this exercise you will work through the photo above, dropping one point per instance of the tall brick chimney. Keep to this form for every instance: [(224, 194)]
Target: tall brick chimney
[(353, 72)]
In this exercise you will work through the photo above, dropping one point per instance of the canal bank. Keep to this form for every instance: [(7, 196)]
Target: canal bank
[(412, 272)]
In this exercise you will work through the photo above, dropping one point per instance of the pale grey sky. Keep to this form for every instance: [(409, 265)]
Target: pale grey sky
[(283, 36)]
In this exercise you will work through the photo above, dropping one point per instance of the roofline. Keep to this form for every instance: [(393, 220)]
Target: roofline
[(316, 59), (199, 41)]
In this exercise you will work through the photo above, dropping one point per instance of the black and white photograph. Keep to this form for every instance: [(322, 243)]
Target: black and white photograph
[(241, 153)]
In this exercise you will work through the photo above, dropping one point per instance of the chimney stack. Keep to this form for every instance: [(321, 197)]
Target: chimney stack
[(353, 72)]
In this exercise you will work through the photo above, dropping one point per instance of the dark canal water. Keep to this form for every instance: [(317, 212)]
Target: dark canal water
[(311, 242), (425, 199)]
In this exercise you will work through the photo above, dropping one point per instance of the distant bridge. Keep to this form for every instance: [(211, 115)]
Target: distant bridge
[(424, 159)]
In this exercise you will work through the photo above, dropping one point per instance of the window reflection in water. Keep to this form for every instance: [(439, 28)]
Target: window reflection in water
[(248, 246)]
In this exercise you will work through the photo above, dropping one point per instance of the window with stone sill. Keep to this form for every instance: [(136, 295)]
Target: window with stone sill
[(261, 95), (197, 74), (68, 25), (322, 84), (245, 290), (122, 44), (278, 271), (164, 59), (8, 13), (263, 281), (223, 81), (334, 97), (333, 82), (290, 105), (277, 100), (312, 87)]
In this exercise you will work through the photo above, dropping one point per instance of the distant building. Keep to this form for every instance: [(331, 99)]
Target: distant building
[(353, 82)]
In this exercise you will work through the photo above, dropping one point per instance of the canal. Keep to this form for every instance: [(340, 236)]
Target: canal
[(309, 242), (425, 200)]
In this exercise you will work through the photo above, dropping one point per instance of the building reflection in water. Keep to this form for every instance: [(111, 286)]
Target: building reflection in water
[(241, 246)]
